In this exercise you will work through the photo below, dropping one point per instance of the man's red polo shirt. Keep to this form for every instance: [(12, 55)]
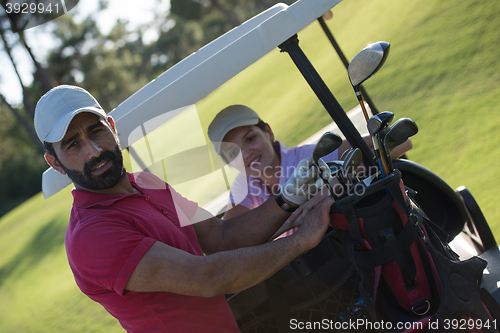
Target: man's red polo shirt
[(106, 238)]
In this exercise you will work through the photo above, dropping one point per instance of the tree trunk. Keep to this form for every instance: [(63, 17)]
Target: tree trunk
[(40, 74), (28, 106), (24, 124)]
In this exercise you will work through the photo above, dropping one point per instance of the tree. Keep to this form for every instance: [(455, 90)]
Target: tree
[(198, 22), (111, 67)]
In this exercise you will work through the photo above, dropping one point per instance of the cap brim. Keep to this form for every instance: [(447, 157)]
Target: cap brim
[(229, 127), (61, 126)]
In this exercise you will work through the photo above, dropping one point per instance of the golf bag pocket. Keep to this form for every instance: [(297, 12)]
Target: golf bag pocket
[(405, 269), (319, 286)]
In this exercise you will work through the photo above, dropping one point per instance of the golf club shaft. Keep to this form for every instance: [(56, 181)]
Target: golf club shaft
[(362, 103), (327, 184), (384, 153), (387, 153), (382, 162)]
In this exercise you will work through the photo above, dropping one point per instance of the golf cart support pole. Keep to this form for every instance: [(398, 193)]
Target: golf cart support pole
[(291, 46), (342, 57)]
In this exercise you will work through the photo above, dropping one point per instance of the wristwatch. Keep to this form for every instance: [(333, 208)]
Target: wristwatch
[(283, 205)]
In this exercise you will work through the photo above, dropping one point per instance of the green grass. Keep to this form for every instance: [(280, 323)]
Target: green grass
[(442, 72), (37, 289)]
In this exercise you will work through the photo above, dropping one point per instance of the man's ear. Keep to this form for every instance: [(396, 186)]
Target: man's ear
[(111, 121), (52, 161)]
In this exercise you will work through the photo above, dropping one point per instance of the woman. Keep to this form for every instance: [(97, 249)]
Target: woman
[(266, 163)]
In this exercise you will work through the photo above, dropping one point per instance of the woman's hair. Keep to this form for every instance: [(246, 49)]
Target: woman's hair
[(261, 124)]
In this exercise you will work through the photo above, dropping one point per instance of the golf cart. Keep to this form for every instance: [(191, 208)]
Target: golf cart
[(173, 94)]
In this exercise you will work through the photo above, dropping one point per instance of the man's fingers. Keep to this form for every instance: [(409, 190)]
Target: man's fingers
[(326, 204), (303, 208), (292, 218)]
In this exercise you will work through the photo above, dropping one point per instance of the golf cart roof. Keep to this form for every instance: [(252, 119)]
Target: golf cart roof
[(205, 70)]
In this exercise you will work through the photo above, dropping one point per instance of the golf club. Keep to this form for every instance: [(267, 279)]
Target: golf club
[(328, 142), (366, 63), (336, 170), (398, 133), (375, 125), (344, 154), (351, 163), (370, 179)]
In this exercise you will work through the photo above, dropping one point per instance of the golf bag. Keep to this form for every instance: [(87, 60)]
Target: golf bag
[(407, 272), (383, 261), (318, 286)]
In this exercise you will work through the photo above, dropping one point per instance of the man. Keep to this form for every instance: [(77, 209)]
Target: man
[(130, 243)]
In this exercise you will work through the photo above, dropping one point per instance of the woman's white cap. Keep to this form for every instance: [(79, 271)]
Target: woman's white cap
[(55, 110), (229, 118)]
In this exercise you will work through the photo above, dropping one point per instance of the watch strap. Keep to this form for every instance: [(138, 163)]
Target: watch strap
[(283, 205)]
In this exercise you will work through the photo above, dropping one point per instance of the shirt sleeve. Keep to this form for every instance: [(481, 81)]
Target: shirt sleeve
[(104, 253), (240, 194)]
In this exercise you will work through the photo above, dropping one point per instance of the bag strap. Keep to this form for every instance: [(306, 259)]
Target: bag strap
[(382, 254), (350, 215), (396, 192), (415, 210)]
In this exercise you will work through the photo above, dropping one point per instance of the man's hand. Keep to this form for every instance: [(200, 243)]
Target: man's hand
[(293, 220), (314, 221), (305, 182)]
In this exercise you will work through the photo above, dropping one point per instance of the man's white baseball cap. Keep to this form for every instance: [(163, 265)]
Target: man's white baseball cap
[(229, 118), (55, 110)]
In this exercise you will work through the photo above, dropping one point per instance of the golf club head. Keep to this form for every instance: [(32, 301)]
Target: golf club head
[(398, 133), (334, 165), (344, 154), (367, 62), (326, 145), (390, 145), (379, 121), (401, 130), (368, 181), (353, 160), (335, 168)]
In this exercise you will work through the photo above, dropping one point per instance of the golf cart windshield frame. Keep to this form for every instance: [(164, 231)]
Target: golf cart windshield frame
[(204, 71)]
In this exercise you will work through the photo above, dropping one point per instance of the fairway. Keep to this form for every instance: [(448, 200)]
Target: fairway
[(442, 72)]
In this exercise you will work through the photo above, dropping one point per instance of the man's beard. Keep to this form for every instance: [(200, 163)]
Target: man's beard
[(104, 181)]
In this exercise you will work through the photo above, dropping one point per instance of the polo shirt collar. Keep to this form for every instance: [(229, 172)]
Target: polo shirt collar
[(84, 199)]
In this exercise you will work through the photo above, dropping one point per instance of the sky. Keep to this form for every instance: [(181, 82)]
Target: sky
[(137, 12)]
